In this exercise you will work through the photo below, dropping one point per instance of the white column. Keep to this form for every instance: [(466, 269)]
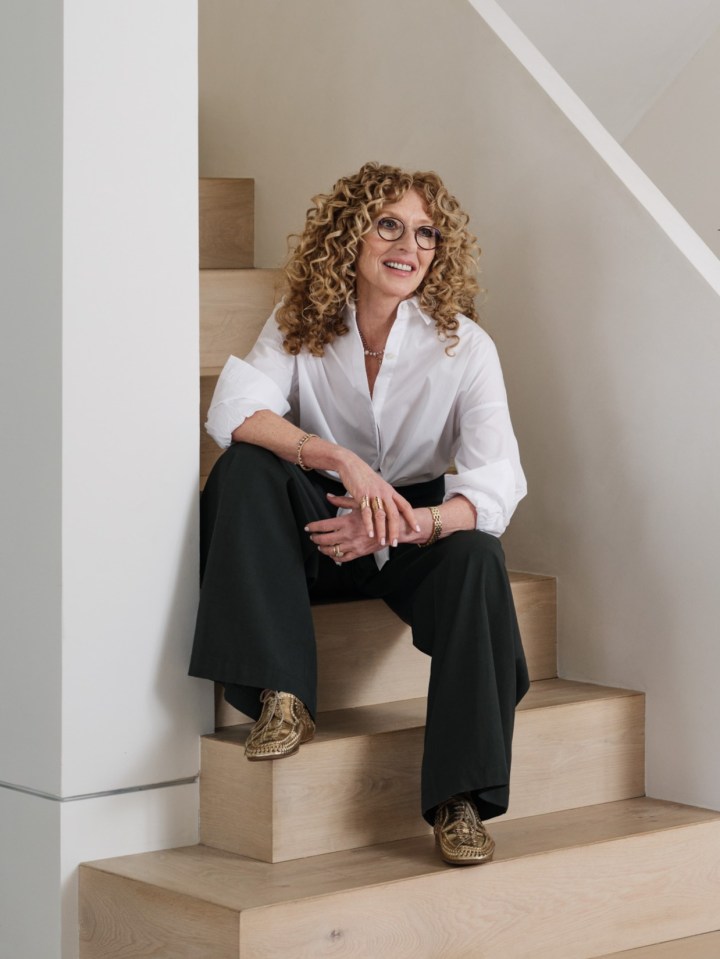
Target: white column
[(100, 724)]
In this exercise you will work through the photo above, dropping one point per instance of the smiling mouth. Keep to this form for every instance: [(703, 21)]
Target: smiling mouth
[(402, 267)]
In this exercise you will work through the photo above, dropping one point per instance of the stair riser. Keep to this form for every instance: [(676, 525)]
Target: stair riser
[(576, 904), (361, 791), (573, 903), (234, 305), (366, 656), (121, 919), (706, 946), (227, 223)]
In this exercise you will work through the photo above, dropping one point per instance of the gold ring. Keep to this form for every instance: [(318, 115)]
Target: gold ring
[(377, 504), (337, 552), (364, 502)]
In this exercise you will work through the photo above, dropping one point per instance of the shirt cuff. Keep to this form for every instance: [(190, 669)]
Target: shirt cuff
[(241, 391), (491, 490)]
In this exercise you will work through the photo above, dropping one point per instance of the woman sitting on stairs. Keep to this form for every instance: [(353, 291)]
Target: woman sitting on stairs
[(365, 383)]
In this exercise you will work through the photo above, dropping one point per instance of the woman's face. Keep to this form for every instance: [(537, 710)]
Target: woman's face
[(395, 268)]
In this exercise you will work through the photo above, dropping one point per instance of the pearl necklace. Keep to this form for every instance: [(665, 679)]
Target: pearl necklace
[(376, 354)]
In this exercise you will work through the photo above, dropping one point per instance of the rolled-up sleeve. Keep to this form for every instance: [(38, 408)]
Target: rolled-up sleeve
[(262, 381), (487, 460)]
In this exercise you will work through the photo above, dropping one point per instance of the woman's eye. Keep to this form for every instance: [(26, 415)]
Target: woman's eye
[(427, 232), (388, 223)]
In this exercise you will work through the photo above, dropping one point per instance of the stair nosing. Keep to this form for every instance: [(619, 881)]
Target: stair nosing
[(229, 734), (428, 864)]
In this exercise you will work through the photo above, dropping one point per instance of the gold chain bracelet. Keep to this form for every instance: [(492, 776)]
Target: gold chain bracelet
[(437, 527), (298, 455)]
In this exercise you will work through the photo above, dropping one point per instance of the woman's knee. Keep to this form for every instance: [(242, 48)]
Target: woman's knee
[(243, 467), (471, 548), (247, 454)]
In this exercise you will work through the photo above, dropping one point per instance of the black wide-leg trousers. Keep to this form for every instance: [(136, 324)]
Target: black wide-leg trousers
[(260, 573)]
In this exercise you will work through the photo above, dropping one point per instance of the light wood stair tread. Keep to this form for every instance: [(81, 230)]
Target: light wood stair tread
[(706, 946), (406, 714), (239, 883)]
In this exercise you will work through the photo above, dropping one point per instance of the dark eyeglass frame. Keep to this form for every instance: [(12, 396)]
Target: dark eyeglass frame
[(426, 241)]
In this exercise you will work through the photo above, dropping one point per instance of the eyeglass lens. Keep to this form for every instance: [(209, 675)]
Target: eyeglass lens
[(390, 228)]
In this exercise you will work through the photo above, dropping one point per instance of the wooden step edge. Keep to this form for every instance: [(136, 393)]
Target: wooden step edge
[(706, 946), (523, 576), (238, 883), (399, 715), (210, 371), (245, 275)]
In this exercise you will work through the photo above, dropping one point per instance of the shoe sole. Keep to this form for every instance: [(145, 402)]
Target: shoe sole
[(466, 860), (283, 755)]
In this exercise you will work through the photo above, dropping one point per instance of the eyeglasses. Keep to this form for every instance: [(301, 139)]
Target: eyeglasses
[(390, 228)]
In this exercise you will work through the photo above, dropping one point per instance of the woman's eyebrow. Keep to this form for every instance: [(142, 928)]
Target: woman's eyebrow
[(388, 211)]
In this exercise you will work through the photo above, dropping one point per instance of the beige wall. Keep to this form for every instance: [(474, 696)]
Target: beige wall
[(677, 142), (610, 339), (618, 56)]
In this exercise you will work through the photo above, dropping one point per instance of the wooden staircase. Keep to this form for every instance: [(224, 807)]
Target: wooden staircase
[(325, 854)]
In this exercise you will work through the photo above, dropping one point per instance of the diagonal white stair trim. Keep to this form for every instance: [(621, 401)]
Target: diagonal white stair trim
[(678, 230)]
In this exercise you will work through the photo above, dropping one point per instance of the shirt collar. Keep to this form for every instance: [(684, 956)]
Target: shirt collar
[(406, 309)]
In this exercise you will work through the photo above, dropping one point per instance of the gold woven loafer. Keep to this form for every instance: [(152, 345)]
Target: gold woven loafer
[(460, 834), (284, 724)]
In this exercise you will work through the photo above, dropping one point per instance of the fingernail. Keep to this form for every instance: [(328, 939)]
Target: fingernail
[(382, 541), (306, 528), (395, 543), (417, 529)]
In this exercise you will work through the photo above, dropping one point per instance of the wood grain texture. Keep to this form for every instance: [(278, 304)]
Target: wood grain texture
[(358, 782), (234, 305), (698, 947), (366, 656), (570, 904), (239, 883), (573, 885), (227, 223), (125, 919)]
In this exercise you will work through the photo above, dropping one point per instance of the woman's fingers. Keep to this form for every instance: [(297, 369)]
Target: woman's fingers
[(342, 502), (381, 513), (366, 515), (379, 518), (363, 508), (407, 513)]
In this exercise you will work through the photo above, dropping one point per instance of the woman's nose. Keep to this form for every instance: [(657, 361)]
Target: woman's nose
[(408, 241)]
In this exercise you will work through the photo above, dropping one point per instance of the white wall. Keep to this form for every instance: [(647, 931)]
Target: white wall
[(130, 394), (619, 56), (30, 391), (30, 909), (118, 825), (610, 339), (99, 405), (677, 142)]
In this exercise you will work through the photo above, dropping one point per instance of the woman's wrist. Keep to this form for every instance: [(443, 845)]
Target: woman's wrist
[(426, 523), (318, 453), (437, 526)]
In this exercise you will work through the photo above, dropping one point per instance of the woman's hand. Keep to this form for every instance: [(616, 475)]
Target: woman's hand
[(344, 538), (382, 510)]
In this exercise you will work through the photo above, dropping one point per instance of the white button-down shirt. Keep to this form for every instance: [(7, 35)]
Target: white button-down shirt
[(427, 409)]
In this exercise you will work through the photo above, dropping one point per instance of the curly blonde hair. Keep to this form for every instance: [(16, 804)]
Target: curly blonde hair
[(321, 273)]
